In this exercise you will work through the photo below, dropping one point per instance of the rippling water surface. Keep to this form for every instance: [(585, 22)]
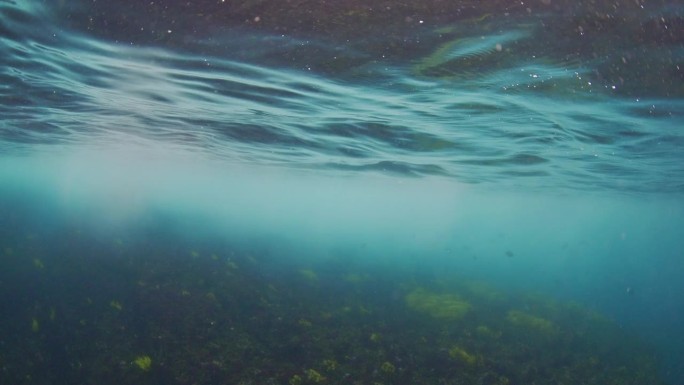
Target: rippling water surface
[(543, 99), (534, 145)]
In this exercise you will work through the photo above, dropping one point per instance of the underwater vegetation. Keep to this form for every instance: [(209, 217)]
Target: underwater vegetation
[(531, 322), (143, 362), (99, 311), (444, 306)]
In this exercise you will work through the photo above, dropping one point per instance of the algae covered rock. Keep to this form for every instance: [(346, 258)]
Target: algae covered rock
[(531, 322), (442, 306)]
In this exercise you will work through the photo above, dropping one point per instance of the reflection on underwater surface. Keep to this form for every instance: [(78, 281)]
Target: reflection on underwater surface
[(511, 99), (305, 192)]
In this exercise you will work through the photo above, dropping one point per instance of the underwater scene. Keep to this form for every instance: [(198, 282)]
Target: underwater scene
[(300, 192)]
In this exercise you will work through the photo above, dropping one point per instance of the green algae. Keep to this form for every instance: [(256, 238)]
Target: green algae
[(444, 306), (206, 322)]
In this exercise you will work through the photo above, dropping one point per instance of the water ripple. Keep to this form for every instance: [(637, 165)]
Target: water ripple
[(481, 108)]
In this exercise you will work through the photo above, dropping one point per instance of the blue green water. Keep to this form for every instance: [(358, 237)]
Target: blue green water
[(344, 156)]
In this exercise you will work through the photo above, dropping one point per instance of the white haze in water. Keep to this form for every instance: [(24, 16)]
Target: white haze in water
[(118, 185), (619, 254)]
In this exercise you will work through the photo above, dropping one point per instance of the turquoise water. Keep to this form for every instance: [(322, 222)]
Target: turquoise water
[(338, 161)]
